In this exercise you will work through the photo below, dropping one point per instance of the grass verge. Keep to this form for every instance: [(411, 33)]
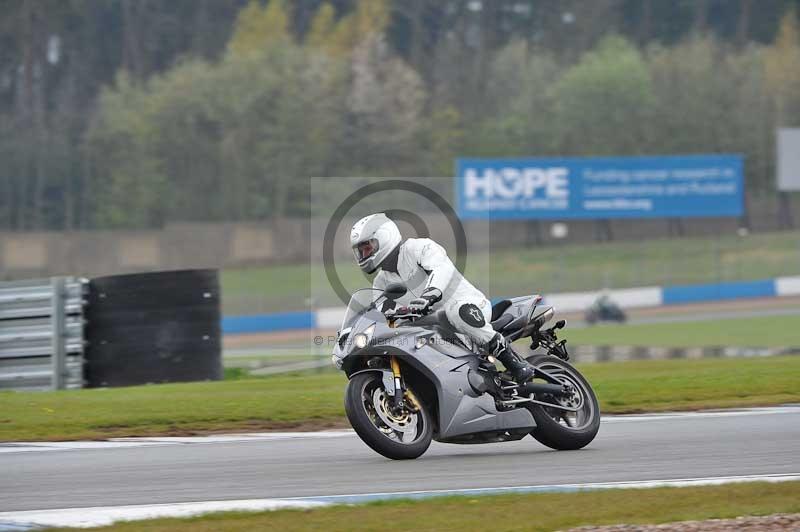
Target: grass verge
[(313, 401), (756, 332), (556, 511)]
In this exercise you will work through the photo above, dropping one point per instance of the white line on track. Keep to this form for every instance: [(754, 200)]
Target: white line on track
[(787, 409), (553, 488), (105, 515), (117, 443)]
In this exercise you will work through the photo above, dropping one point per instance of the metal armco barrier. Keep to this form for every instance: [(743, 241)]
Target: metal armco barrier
[(41, 333)]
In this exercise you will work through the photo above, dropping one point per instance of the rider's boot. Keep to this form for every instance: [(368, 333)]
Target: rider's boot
[(519, 368)]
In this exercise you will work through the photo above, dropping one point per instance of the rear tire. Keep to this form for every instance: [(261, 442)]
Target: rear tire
[(357, 403), (549, 430)]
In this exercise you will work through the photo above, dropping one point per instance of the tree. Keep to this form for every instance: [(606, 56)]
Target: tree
[(322, 27), (54, 57), (699, 16), (384, 103), (743, 25), (221, 141), (782, 64), (519, 112), (368, 19), (129, 187), (603, 102), (259, 27)]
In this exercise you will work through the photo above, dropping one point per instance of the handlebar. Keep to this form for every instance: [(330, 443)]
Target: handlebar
[(402, 313)]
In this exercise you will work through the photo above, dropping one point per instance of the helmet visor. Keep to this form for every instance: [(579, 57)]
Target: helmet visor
[(366, 249)]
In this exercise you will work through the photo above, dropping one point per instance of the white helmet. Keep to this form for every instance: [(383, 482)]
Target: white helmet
[(373, 238)]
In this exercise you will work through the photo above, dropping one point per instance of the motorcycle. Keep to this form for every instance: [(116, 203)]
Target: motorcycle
[(412, 379), (604, 309)]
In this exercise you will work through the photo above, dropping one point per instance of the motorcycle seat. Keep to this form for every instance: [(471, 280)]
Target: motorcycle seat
[(501, 322), (499, 308)]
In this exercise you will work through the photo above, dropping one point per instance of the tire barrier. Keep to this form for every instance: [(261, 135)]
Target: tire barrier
[(153, 328)]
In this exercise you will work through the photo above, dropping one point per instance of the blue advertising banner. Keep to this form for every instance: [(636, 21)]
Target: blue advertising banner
[(602, 187)]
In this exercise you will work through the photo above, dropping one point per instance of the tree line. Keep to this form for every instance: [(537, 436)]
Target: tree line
[(132, 113)]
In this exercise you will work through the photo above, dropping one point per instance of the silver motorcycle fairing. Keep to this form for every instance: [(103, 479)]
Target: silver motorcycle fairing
[(462, 410), (386, 376)]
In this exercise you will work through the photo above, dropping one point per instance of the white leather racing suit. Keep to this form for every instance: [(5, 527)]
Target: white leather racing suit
[(423, 264)]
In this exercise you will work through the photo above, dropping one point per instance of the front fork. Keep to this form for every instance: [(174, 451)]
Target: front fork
[(401, 393)]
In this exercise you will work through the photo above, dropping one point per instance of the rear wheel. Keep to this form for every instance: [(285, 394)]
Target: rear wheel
[(565, 429), (399, 435)]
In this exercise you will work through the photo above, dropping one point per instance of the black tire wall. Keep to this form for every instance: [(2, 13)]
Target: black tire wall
[(152, 328)]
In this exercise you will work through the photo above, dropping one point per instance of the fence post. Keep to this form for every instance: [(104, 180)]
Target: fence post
[(57, 317)]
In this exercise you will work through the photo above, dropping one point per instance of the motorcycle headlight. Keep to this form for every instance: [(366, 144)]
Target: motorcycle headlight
[(362, 339)]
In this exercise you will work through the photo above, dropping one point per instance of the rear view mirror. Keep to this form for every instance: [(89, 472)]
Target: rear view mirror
[(395, 291), (560, 324)]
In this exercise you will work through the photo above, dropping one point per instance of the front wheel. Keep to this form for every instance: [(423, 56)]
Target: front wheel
[(399, 435), (565, 429)]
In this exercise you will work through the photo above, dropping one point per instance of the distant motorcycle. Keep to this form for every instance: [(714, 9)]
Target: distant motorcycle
[(604, 309), (412, 380)]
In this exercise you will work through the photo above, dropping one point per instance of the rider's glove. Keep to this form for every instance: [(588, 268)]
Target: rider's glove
[(398, 313), (423, 304)]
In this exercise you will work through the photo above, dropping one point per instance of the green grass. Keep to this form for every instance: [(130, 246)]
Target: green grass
[(651, 386), (517, 271), (755, 332), (267, 360), (314, 400), (552, 511)]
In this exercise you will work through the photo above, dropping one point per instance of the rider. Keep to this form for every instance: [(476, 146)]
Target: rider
[(423, 267)]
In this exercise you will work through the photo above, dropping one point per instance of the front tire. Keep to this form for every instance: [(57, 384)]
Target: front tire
[(402, 436), (555, 428)]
